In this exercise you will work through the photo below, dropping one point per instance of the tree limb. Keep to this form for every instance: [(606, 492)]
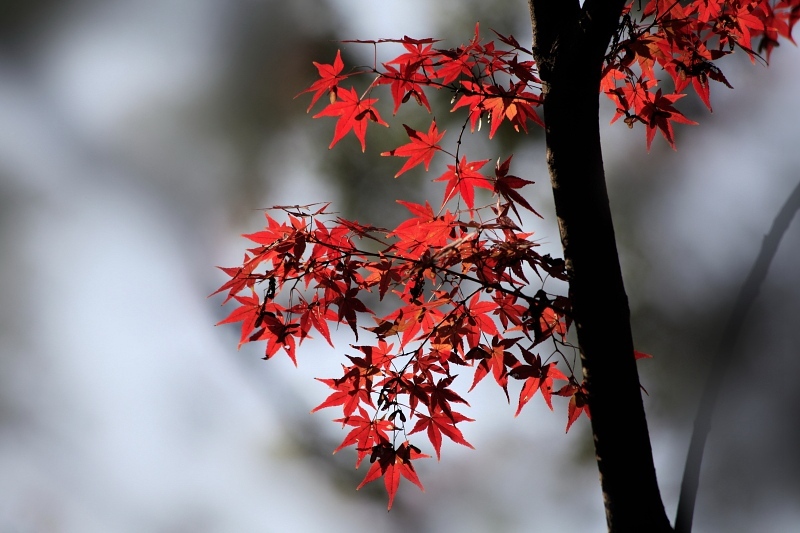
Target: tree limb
[(569, 47), (723, 358)]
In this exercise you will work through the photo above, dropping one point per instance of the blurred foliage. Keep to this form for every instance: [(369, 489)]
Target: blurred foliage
[(19, 21)]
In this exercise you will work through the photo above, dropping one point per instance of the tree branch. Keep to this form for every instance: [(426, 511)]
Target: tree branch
[(723, 357)]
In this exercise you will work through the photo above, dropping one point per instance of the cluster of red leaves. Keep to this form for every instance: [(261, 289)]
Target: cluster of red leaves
[(460, 278), (685, 39), (473, 71), (460, 301)]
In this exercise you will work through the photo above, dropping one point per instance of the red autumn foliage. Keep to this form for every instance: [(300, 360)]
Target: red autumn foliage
[(421, 148), (459, 280)]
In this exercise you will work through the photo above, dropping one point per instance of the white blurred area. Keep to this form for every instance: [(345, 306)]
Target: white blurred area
[(122, 409)]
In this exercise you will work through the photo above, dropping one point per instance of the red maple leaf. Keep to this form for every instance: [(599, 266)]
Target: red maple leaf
[(405, 84), (494, 359), (349, 393), (658, 112), (420, 55), (420, 149), (383, 273), (654, 110), (454, 63), (315, 315), (508, 311), (330, 76), (506, 186), (514, 104), (423, 231), (349, 305), (578, 402), (392, 464), (552, 322), (277, 331), (478, 322), (463, 179), (353, 113), (439, 423), (375, 358), (441, 395), (247, 314), (537, 377), (366, 433)]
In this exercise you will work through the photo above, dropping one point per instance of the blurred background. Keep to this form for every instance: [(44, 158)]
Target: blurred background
[(139, 139)]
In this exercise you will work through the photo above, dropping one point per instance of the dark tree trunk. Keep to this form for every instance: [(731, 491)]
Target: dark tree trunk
[(569, 45)]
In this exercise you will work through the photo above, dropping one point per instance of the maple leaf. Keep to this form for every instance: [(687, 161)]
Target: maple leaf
[(477, 322), (441, 395), (247, 314), (463, 179), (383, 273), (578, 402), (441, 423), (472, 99), (241, 278), (425, 230), (353, 113), (508, 311), (277, 332), (349, 305), (349, 393), (511, 41), (741, 23), (506, 186), (405, 84), (494, 359), (330, 76), (537, 377), (375, 358), (551, 322), (421, 148), (514, 104), (366, 433), (778, 21), (420, 55), (658, 112), (454, 64), (316, 315), (330, 243), (392, 464)]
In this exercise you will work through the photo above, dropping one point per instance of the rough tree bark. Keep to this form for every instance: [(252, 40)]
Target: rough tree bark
[(569, 43)]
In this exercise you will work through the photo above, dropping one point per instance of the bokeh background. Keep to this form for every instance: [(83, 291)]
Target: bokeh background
[(138, 139)]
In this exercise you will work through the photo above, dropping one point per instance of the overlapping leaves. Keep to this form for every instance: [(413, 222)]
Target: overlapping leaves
[(684, 40), (459, 286), (461, 279)]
